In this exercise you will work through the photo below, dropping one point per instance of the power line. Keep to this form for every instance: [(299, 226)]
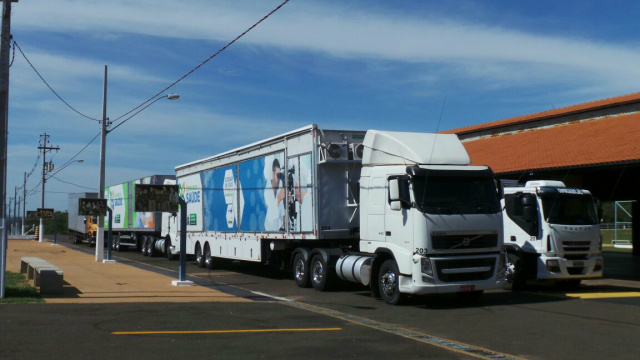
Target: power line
[(49, 86), (196, 68), (70, 183), (70, 161)]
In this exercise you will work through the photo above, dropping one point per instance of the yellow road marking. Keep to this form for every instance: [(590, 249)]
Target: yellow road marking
[(604, 295), (219, 331)]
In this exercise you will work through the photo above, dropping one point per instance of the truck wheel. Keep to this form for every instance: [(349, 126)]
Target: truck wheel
[(300, 273), (515, 272), (167, 250), (151, 246), (199, 256), (319, 273), (388, 282), (143, 246), (208, 260)]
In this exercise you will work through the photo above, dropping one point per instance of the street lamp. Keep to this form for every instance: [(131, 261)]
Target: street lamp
[(103, 142)]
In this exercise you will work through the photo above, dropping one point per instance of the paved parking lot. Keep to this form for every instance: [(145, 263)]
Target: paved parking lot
[(130, 309)]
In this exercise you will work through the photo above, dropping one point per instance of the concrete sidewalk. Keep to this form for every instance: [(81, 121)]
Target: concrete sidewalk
[(88, 281)]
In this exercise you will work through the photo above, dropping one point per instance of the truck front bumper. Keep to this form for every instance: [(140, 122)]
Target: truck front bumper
[(454, 274), (559, 268)]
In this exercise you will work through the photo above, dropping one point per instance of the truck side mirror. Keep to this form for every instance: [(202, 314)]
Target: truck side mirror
[(399, 193), (499, 188), (529, 213), (599, 210), (394, 195), (527, 200)]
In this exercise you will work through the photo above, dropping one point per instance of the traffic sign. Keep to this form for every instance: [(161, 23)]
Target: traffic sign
[(45, 213), (92, 207), (156, 198)]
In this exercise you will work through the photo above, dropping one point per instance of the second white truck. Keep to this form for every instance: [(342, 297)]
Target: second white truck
[(401, 212), (552, 233), (142, 231)]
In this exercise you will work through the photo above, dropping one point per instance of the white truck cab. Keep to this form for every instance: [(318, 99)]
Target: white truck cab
[(434, 214), (552, 233)]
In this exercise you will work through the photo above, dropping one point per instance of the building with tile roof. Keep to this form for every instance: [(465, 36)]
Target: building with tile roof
[(595, 146)]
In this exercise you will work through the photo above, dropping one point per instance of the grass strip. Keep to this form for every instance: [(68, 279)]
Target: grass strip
[(18, 290)]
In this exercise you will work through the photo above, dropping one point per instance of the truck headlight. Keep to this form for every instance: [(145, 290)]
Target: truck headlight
[(553, 265), (426, 269)]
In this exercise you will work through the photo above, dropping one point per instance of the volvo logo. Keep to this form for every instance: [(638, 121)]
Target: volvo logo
[(467, 241)]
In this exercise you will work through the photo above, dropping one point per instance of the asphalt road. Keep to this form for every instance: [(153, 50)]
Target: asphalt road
[(600, 319)]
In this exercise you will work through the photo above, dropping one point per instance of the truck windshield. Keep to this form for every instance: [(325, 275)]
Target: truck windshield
[(450, 192), (569, 209)]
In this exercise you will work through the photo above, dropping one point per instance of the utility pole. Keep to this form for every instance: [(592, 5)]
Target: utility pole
[(46, 167), (8, 205), (103, 144), (15, 214), (18, 216), (24, 203), (5, 47)]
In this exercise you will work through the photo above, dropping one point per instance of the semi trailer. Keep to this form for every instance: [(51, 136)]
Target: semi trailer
[(82, 229), (400, 212), (137, 230), (552, 234)]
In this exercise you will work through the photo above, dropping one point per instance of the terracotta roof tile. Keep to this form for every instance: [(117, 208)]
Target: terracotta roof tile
[(603, 141), (619, 100)]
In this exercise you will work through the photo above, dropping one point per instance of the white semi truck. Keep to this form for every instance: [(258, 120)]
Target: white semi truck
[(551, 233), (403, 213), (137, 230)]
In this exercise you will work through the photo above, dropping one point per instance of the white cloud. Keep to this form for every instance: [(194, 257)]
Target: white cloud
[(345, 32)]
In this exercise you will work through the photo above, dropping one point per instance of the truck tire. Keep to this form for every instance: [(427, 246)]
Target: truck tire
[(515, 272), (388, 282), (143, 246), (199, 256), (151, 246), (208, 259), (115, 245), (300, 273), (167, 249), (319, 273)]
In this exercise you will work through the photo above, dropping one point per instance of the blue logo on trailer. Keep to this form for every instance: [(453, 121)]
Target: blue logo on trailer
[(215, 206), (253, 184)]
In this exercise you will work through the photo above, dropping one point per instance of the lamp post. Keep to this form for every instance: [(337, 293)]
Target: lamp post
[(103, 142)]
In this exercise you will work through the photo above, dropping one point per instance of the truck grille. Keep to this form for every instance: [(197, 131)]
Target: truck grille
[(443, 265), (460, 242), (575, 270), (576, 245)]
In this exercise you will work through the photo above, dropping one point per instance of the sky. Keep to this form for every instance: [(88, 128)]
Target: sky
[(423, 66)]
